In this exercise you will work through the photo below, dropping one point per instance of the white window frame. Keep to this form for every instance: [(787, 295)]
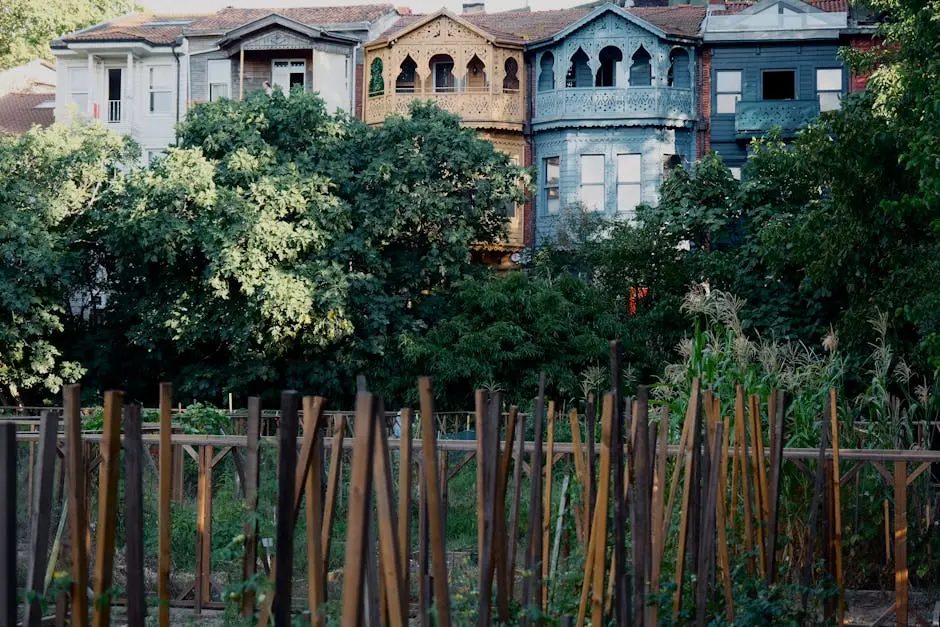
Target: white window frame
[(214, 81), (837, 92), (628, 182), (592, 184), (83, 89), (736, 95), (153, 89), (290, 70), (548, 185)]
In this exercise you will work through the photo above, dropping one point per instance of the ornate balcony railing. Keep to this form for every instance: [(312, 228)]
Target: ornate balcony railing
[(754, 117), (614, 103), (473, 107)]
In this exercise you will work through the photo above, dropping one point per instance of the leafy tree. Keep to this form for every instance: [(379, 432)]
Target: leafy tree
[(280, 245), (27, 27), (49, 181)]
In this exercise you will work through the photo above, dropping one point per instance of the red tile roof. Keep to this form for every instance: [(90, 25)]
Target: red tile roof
[(18, 112), (164, 29), (524, 26), (230, 18), (829, 6)]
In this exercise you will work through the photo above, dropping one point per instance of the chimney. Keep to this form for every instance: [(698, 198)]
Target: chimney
[(470, 8)]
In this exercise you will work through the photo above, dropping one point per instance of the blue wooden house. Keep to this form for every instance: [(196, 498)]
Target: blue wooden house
[(770, 63), (614, 104)]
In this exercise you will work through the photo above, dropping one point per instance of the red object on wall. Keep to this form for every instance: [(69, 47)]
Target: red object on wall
[(95, 111), (857, 82), (358, 112)]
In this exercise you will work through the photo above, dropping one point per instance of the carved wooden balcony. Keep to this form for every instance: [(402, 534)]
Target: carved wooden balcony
[(643, 104), (756, 117), (476, 108)]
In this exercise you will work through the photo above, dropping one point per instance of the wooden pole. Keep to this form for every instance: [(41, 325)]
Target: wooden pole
[(40, 519), (360, 486), (900, 543), (313, 407), (203, 590), (316, 585), (503, 575), (286, 473), (252, 476), (8, 526), (241, 73), (332, 491), (134, 516), (776, 407), (107, 507), (837, 500), (600, 527), (721, 522), (390, 551), (480, 400), (77, 504), (740, 430), (532, 582), (695, 409), (514, 507), (659, 524), (489, 461), (581, 472), (707, 554), (405, 463), (621, 595), (547, 504), (165, 488), (641, 509), (435, 515)]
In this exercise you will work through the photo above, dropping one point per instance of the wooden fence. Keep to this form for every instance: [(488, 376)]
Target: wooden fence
[(625, 489)]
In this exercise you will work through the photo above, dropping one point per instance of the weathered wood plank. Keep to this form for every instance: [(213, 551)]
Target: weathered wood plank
[(40, 519), (286, 507), (489, 461), (721, 522), (252, 476), (707, 554), (502, 563), (600, 526), (107, 507), (203, 587), (659, 525), (134, 516), (837, 503), (165, 495), (547, 503), (641, 509), (693, 417), (514, 508), (532, 581), (435, 515), (744, 465), (405, 463), (621, 597), (313, 406)]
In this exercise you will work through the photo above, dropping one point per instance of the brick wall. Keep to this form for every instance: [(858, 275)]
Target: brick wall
[(704, 102), (857, 82), (359, 91)]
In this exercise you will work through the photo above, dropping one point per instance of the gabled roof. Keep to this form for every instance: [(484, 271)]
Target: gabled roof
[(276, 19), (744, 6), (19, 112), (156, 29), (166, 29), (524, 26), (224, 20)]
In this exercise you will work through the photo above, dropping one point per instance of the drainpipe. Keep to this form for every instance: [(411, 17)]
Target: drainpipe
[(179, 82), (352, 79)]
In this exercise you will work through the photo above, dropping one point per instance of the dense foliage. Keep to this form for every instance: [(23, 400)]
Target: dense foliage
[(27, 26)]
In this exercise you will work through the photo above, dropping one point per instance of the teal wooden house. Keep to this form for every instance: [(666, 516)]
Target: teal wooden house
[(614, 105), (774, 63)]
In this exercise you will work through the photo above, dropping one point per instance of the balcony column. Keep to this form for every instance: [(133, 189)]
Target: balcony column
[(241, 72), (127, 90)]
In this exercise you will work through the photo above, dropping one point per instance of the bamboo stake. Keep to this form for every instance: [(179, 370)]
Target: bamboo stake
[(658, 522), (531, 584), (503, 575), (721, 514), (134, 516), (316, 585), (252, 466), (332, 491), (695, 408), (887, 517), (514, 508), (581, 521), (107, 507), (435, 515), (166, 494), (479, 402), (600, 528), (745, 467), (40, 521), (357, 524), (900, 543), (547, 511), (404, 493), (760, 482), (77, 505), (837, 500), (489, 461), (558, 526)]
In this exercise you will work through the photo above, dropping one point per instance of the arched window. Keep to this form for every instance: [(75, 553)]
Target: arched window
[(511, 80), (442, 73), (607, 73), (407, 81), (679, 69), (547, 72), (376, 82), (476, 75), (641, 70), (579, 74)]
